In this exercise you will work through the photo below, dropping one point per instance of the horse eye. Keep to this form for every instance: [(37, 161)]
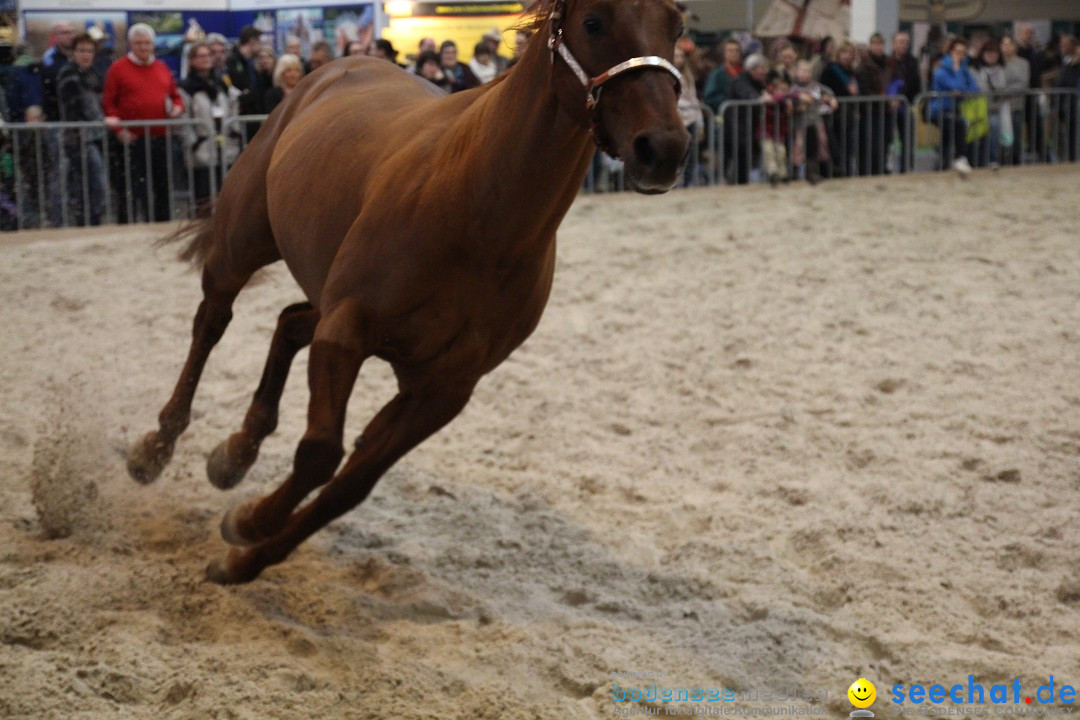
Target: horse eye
[(680, 32), (592, 26)]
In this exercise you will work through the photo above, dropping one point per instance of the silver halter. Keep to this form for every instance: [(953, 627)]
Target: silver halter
[(593, 85)]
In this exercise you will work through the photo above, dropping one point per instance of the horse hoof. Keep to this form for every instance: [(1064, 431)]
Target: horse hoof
[(230, 527), (147, 458), (228, 570), (217, 571), (224, 473)]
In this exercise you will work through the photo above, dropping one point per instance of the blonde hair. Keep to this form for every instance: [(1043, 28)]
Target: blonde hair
[(287, 61), (847, 45)]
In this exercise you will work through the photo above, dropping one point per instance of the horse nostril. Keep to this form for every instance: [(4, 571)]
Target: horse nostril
[(644, 151)]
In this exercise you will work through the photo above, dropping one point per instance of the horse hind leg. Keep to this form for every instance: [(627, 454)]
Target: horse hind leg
[(270, 530), (414, 419), (332, 372), (221, 284), (231, 459)]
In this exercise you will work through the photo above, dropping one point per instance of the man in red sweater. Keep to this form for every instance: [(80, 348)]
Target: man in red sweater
[(139, 87)]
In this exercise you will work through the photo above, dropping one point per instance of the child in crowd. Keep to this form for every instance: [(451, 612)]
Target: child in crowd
[(778, 108), (813, 102)]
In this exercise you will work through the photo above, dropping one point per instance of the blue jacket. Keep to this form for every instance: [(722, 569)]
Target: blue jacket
[(947, 78), (23, 87)]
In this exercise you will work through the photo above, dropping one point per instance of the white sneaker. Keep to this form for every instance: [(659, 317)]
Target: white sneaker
[(961, 165)]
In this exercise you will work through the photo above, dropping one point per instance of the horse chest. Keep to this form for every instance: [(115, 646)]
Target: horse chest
[(515, 307)]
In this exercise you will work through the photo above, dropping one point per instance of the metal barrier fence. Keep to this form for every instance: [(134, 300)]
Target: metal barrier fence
[(1002, 128), (779, 141), (872, 135), (75, 174), (83, 173)]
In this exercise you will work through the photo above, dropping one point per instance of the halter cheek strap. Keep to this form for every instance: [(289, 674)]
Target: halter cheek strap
[(593, 85)]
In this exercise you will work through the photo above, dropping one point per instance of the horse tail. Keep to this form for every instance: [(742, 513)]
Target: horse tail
[(197, 236)]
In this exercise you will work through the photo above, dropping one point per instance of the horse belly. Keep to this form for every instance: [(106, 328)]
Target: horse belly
[(419, 308), (527, 303)]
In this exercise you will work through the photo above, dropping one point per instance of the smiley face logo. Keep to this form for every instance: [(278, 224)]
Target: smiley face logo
[(862, 693)]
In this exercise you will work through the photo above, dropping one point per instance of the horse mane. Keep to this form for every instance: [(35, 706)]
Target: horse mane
[(535, 17)]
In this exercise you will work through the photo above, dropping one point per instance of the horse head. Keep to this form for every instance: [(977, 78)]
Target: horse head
[(617, 74)]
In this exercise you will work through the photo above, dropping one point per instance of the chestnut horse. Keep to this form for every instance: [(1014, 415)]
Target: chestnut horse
[(421, 228)]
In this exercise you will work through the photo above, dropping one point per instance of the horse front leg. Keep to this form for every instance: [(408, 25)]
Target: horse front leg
[(332, 372), (149, 455), (411, 417), (231, 459)]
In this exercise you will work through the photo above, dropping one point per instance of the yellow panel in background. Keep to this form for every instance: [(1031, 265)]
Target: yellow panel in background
[(406, 32)]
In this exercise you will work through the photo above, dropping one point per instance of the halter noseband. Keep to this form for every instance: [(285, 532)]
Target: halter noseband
[(594, 85)]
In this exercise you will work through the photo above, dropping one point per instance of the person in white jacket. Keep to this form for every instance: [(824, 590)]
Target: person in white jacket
[(483, 64), (211, 142)]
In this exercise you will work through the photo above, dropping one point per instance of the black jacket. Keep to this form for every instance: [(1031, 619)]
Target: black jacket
[(78, 94), (872, 75), (836, 78), (1069, 77), (243, 77), (50, 78), (1034, 63), (906, 69), (271, 99), (744, 121), (744, 87)]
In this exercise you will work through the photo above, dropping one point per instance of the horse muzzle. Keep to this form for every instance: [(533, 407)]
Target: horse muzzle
[(654, 159)]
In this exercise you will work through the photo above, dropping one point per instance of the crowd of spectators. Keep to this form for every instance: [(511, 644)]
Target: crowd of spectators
[(128, 165), (794, 121), (440, 66), (838, 109)]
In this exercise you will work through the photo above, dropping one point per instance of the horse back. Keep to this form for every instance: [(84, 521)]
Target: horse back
[(361, 123), (242, 228)]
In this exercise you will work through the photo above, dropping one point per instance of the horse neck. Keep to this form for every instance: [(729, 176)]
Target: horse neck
[(524, 123)]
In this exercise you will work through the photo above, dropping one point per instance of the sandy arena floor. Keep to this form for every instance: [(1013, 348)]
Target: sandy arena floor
[(760, 439)]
